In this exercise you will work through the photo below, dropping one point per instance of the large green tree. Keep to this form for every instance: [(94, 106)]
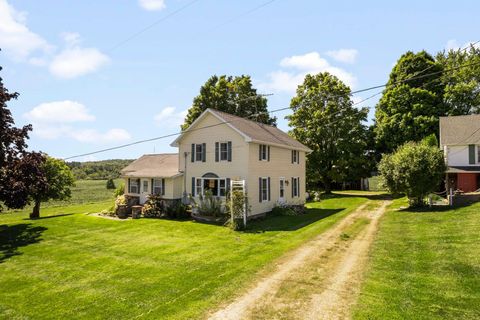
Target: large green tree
[(234, 95), (462, 84), (409, 109), (20, 170), (325, 120), (58, 180)]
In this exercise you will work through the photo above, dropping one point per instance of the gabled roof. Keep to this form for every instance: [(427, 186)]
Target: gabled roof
[(460, 130), (153, 166), (252, 131)]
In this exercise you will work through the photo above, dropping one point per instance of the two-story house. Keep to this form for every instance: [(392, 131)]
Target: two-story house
[(217, 148), (460, 142)]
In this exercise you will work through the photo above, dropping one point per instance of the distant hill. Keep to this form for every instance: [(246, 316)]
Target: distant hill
[(98, 170)]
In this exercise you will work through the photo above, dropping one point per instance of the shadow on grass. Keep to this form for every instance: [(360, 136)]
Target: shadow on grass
[(345, 194), (289, 223), (50, 217), (16, 236)]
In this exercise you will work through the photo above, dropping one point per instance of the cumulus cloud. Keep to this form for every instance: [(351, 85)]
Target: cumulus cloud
[(18, 41), (59, 112), (74, 61), (53, 120), (299, 66), (343, 55), (170, 117), (152, 5), (94, 136)]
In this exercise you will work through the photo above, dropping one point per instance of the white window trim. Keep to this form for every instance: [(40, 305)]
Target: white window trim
[(201, 152), (220, 151), (264, 147), (280, 187), (134, 183), (202, 189), (296, 186), (266, 189), (157, 186)]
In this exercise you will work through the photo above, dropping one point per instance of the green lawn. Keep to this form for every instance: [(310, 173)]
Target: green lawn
[(424, 265), (72, 265)]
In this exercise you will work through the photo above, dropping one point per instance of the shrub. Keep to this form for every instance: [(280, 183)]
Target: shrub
[(415, 169), (315, 196), (176, 210), (209, 205), (120, 190), (153, 207), (110, 184), (120, 200), (285, 209)]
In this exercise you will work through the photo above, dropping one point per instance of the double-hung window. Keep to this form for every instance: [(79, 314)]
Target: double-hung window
[(157, 186), (295, 187), (198, 187), (222, 187), (198, 152), (264, 189), (264, 152), (133, 186), (223, 151), (295, 156)]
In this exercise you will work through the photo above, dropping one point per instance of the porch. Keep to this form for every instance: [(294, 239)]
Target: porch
[(465, 179)]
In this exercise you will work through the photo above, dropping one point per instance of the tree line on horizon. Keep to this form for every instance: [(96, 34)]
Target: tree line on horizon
[(420, 89)]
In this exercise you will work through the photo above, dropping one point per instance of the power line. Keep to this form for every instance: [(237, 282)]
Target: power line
[(150, 26), (261, 113)]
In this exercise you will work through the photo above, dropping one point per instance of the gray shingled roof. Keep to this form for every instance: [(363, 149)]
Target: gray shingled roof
[(153, 166), (260, 132), (460, 130)]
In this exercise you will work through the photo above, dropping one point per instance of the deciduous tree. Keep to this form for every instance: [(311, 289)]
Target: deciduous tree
[(234, 95), (325, 120)]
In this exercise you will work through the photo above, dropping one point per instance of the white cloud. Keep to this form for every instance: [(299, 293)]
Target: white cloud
[(169, 117), (59, 112), (94, 136), (15, 37), (343, 55), (152, 5), (53, 120), (74, 61), (309, 63)]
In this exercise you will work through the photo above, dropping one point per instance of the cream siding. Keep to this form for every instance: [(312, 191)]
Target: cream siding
[(237, 168), (279, 166)]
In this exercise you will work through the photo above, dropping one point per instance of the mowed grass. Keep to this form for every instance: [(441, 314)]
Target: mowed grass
[(84, 192), (424, 265), (72, 265)]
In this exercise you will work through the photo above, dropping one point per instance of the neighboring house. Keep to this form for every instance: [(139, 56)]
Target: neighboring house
[(219, 147), (460, 142)]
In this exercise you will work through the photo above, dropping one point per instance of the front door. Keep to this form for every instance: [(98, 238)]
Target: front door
[(145, 190), (281, 197)]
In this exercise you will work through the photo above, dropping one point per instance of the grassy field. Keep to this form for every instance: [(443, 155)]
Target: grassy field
[(72, 265), (85, 192), (424, 265)]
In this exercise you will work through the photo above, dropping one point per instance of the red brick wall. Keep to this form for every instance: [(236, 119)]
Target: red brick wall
[(467, 182)]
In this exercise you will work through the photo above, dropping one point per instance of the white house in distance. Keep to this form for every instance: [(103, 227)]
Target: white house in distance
[(219, 147), (460, 142)]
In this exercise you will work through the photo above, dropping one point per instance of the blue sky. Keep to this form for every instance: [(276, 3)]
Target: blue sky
[(84, 88)]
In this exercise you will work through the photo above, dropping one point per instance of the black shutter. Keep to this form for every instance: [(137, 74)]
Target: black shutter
[(259, 152), (229, 150), (298, 157), (193, 152), (217, 150), (193, 186), (292, 187), (151, 187), (128, 190), (268, 153), (268, 186), (292, 156), (204, 152), (471, 154), (227, 187), (260, 189), (298, 186), (163, 187)]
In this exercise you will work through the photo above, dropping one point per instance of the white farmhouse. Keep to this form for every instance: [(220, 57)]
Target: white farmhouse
[(460, 142), (217, 148)]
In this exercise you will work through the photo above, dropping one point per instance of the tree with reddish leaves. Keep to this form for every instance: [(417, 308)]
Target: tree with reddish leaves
[(21, 172)]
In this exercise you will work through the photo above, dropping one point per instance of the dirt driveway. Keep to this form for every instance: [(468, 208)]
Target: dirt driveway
[(320, 279)]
